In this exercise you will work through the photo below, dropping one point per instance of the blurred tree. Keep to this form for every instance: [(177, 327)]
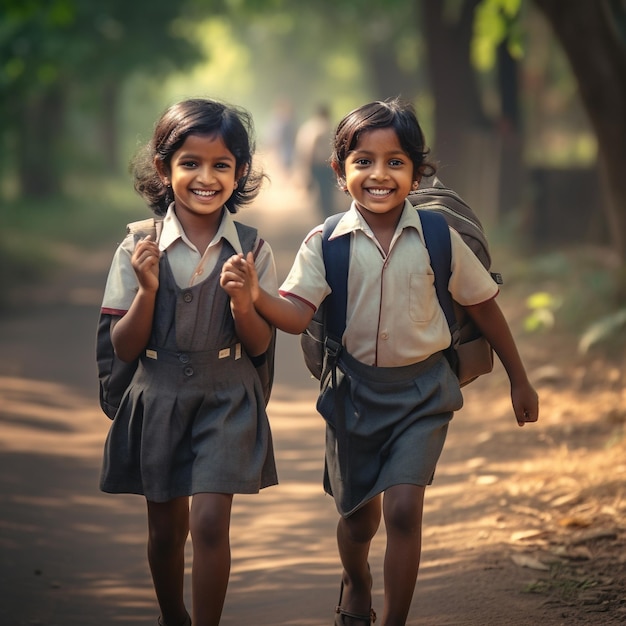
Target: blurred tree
[(59, 55), (472, 57), (448, 32), (600, 69)]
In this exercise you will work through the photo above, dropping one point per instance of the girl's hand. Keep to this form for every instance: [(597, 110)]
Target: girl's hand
[(525, 403), (145, 262), (233, 278), (239, 277)]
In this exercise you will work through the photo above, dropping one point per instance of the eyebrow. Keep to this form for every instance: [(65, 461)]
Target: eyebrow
[(197, 157), (361, 151)]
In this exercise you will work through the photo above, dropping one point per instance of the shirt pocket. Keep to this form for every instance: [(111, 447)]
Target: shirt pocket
[(422, 301)]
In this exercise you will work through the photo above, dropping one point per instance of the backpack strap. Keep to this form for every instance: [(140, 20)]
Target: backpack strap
[(439, 246), (150, 226), (336, 254), (248, 238), (264, 363)]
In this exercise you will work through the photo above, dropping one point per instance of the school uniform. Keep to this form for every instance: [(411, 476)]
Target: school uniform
[(388, 401), (193, 420)]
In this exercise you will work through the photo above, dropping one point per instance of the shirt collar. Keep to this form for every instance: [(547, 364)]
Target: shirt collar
[(352, 220), (173, 230)]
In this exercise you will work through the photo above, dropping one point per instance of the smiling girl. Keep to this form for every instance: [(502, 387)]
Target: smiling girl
[(389, 396), (193, 421)]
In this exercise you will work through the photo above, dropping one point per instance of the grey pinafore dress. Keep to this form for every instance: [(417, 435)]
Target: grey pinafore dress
[(193, 420), (385, 426)]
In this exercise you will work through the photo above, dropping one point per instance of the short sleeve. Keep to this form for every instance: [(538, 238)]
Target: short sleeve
[(470, 282)]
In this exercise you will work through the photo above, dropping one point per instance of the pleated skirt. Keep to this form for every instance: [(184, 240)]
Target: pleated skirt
[(189, 423), (384, 426)]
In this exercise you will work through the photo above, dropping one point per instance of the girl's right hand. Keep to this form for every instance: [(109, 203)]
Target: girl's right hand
[(145, 262)]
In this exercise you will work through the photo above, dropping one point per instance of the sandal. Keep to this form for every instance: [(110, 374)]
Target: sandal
[(340, 613)]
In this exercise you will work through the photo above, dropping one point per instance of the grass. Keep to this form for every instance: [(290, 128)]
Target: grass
[(35, 235)]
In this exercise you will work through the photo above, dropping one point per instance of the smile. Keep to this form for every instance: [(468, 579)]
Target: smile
[(204, 193), (379, 192)]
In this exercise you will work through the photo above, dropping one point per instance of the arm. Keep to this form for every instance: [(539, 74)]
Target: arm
[(130, 333), (289, 315), (491, 322)]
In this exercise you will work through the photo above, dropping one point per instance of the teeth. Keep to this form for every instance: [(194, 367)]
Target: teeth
[(379, 192), (204, 194)]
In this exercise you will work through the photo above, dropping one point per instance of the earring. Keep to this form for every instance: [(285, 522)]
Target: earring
[(415, 185), (169, 195)]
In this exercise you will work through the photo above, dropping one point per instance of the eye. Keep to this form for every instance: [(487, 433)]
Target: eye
[(362, 162), (396, 163), (189, 164), (223, 166)]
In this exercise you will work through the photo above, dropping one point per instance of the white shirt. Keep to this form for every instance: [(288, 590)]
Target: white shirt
[(393, 314), (189, 267)]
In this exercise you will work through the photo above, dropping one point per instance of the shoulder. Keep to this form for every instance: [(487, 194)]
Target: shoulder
[(314, 232)]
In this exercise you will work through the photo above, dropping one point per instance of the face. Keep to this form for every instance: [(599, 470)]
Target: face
[(378, 173), (202, 174)]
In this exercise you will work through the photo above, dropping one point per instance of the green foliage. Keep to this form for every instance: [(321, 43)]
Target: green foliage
[(63, 57), (543, 306), (48, 41), (38, 238), (496, 22), (580, 292)]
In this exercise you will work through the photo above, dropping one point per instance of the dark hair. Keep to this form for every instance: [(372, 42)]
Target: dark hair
[(197, 117), (392, 113)]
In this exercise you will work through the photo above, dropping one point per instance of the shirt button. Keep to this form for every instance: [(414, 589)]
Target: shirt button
[(384, 335), (184, 358), (199, 272), (187, 296), (188, 371)]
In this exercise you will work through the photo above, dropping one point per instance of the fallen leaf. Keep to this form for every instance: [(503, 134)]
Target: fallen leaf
[(528, 534), (575, 522), (527, 560)]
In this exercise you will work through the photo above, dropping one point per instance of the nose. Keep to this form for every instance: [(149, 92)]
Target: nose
[(204, 174), (379, 171)]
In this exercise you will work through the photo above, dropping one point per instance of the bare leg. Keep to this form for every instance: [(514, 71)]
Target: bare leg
[(168, 527), (402, 509), (210, 526), (354, 535)]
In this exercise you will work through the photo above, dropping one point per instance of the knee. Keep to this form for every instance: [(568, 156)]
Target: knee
[(360, 528), (167, 537), (209, 527), (403, 515)]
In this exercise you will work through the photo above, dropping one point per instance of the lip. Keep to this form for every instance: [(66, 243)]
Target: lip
[(378, 192), (205, 194)]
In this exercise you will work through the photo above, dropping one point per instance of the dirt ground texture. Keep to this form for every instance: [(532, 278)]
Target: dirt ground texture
[(522, 526)]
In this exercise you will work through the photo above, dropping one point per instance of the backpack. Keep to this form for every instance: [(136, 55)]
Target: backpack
[(116, 375), (469, 353)]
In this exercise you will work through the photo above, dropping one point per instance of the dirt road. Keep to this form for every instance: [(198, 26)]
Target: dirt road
[(72, 556)]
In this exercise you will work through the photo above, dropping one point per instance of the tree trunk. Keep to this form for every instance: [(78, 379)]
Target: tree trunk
[(464, 147), (387, 78), (109, 125), (512, 169), (39, 143), (596, 49)]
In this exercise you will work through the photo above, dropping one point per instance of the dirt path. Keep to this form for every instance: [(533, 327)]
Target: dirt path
[(522, 526)]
